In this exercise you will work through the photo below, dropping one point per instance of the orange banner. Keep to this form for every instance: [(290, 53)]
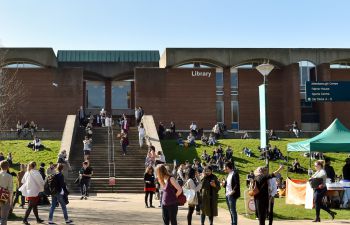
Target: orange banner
[(296, 192)]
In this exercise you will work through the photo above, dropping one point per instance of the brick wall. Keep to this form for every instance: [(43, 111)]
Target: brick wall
[(176, 95), (45, 104)]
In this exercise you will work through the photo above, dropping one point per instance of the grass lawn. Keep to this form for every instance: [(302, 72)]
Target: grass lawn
[(22, 154), (245, 165)]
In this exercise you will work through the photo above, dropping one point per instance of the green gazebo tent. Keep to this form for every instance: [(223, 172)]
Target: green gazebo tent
[(336, 138)]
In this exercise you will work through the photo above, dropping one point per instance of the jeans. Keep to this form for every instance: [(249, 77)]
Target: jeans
[(231, 204), (58, 198), (169, 214), (18, 193), (4, 212), (84, 187), (270, 211)]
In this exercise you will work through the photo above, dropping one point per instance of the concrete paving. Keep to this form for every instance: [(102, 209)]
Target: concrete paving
[(129, 209)]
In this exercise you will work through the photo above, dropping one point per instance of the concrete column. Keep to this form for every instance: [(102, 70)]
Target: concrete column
[(227, 97), (84, 94), (132, 95), (325, 108), (108, 96), (291, 94)]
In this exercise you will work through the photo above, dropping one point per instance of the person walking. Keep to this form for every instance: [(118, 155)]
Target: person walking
[(60, 196), (192, 184), (171, 190), (320, 190), (150, 186), (124, 142), (6, 184), (262, 198), (142, 134), (209, 193), (232, 190), (19, 183), (33, 184), (85, 174), (272, 192)]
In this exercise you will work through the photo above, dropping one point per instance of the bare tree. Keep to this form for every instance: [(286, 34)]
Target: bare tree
[(11, 94)]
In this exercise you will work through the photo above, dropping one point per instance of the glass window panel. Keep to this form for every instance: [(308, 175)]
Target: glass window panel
[(220, 111), (95, 94), (234, 109), (234, 80), (219, 79), (121, 95)]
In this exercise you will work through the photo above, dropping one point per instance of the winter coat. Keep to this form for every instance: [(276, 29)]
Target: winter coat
[(210, 196)]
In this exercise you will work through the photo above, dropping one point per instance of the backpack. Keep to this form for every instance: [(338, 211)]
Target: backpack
[(51, 185)]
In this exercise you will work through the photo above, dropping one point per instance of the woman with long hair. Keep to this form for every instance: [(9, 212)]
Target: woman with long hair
[(33, 184), (171, 190), (320, 191), (6, 182), (192, 184), (150, 186), (209, 192)]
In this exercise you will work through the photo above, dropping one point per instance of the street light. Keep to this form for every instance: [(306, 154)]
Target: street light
[(265, 69)]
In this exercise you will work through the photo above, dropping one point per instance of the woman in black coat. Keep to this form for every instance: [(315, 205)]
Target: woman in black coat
[(262, 198)]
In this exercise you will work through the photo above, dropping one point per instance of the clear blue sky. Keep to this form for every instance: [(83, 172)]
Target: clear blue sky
[(157, 24)]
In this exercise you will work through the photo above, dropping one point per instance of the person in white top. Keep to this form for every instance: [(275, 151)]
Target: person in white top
[(160, 159), (320, 191), (193, 128), (193, 184), (33, 184), (142, 134), (6, 182), (232, 190)]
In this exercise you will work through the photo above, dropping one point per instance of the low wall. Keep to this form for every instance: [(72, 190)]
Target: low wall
[(43, 135), (255, 134), (68, 135), (151, 132)]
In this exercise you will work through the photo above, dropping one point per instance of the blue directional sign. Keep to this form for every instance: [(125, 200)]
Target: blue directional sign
[(328, 91)]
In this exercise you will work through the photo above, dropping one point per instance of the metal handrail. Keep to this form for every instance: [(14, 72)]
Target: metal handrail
[(111, 152)]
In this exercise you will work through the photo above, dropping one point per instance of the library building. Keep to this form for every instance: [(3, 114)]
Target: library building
[(204, 85)]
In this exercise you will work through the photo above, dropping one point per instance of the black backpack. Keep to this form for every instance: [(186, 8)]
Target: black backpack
[(51, 185)]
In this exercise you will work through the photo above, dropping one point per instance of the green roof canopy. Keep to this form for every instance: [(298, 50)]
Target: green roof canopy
[(107, 56), (336, 138)]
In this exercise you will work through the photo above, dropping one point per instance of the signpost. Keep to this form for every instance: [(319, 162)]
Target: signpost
[(327, 91)]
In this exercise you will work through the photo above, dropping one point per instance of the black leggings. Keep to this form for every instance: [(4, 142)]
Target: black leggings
[(150, 194), (189, 214), (318, 196), (211, 219), (32, 205)]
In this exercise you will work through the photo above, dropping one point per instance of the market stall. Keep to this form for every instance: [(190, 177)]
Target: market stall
[(336, 139)]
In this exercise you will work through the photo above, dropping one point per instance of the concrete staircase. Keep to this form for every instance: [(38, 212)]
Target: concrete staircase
[(129, 169)]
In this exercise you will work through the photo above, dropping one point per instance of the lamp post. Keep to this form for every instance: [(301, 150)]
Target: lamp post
[(265, 69)]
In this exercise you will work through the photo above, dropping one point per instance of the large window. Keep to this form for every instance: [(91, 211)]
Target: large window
[(219, 79), (95, 94), (121, 95), (219, 111), (305, 68), (235, 115)]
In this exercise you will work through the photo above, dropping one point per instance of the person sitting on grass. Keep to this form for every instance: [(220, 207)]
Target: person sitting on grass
[(19, 128), (272, 135), (204, 140), (229, 153), (2, 157), (205, 156), (35, 144), (211, 140), (9, 159), (220, 151), (180, 141), (191, 140), (247, 152)]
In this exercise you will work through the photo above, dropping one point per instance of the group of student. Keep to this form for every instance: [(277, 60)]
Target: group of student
[(199, 181), (218, 158), (31, 187), (26, 128)]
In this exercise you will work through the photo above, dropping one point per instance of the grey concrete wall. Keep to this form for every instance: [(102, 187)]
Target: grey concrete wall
[(43, 135)]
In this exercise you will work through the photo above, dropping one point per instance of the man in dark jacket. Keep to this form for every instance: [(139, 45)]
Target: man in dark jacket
[(232, 190), (346, 170), (329, 170)]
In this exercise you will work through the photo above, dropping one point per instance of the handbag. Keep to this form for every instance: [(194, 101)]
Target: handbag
[(4, 194), (181, 199), (254, 190), (190, 194)]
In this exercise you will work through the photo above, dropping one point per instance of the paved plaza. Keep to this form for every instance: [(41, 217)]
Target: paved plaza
[(129, 209)]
